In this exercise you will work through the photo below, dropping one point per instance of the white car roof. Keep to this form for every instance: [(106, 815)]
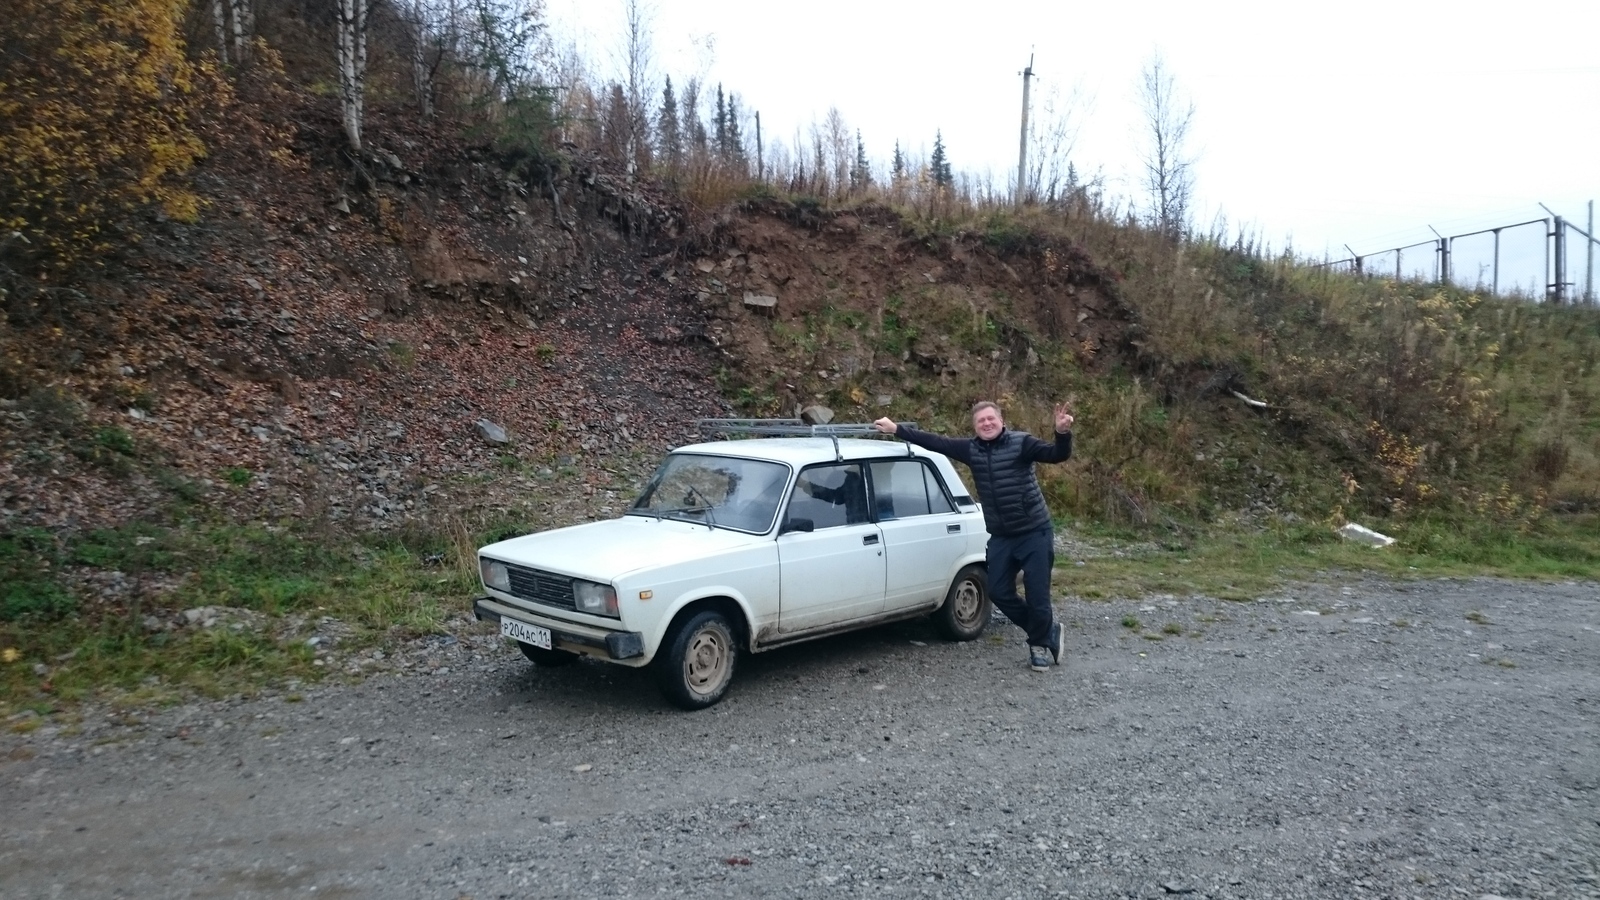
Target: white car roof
[(805, 451)]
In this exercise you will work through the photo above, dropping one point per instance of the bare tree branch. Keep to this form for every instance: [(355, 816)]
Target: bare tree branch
[(1168, 167)]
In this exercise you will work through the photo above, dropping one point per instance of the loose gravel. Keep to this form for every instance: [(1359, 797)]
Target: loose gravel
[(1367, 739)]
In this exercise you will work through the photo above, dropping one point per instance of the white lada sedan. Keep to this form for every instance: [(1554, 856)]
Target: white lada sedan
[(740, 546)]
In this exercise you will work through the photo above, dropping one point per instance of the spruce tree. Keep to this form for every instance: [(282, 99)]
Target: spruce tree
[(939, 165), (735, 151), (670, 135), (861, 172), (719, 124), (897, 169)]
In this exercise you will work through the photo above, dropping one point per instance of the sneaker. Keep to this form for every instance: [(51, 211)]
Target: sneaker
[(1039, 658), (1058, 642)]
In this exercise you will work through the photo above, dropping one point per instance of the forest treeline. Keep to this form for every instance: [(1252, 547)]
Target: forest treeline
[(105, 105)]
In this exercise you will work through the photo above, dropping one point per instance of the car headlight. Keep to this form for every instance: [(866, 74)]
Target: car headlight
[(495, 574), (595, 599)]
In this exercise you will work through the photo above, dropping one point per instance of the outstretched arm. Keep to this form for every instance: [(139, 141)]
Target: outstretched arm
[(956, 449)]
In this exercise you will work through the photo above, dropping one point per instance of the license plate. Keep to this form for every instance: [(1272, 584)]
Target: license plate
[(528, 634)]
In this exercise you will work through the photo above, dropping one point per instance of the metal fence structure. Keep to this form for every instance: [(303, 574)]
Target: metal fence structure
[(1567, 276)]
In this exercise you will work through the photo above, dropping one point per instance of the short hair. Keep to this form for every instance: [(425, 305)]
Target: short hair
[(982, 405)]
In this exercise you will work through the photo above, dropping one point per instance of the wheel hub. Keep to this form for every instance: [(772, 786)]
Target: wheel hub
[(707, 659), (968, 602)]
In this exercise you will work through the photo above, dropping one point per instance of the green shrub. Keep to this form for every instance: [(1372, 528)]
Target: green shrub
[(29, 587), (114, 439)]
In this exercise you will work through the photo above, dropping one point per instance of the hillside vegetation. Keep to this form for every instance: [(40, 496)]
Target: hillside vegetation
[(247, 380)]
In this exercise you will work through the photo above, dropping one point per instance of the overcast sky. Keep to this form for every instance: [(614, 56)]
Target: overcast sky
[(1357, 122)]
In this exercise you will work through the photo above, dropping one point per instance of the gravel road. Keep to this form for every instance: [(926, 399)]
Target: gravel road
[(1427, 739)]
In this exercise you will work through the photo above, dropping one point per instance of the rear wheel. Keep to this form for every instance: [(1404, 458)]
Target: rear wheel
[(965, 612), (697, 661), (549, 659)]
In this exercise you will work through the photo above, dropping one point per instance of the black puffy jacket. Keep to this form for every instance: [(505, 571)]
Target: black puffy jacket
[(1002, 470)]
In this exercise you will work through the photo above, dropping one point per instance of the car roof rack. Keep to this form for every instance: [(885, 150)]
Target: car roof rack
[(793, 428)]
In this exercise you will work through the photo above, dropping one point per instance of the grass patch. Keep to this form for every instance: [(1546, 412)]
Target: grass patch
[(29, 587), (1244, 565), (56, 648)]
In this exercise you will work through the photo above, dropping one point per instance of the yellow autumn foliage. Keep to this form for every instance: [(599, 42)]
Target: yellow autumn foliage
[(94, 106)]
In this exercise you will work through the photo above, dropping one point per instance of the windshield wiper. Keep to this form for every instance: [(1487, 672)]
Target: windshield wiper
[(672, 511)]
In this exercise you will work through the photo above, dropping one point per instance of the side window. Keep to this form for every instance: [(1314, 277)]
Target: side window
[(830, 496), (907, 487)]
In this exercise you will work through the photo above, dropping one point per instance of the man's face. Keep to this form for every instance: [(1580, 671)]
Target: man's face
[(986, 422)]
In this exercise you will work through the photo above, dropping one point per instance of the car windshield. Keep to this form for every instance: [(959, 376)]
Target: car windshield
[(723, 491)]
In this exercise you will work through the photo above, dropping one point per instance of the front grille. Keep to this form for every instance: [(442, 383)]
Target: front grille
[(536, 586)]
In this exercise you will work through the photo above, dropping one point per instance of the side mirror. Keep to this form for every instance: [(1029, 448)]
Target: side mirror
[(798, 524)]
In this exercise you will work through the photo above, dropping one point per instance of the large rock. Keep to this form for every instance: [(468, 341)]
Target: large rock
[(816, 415), (492, 433)]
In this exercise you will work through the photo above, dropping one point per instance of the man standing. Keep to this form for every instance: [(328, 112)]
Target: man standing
[(1020, 534)]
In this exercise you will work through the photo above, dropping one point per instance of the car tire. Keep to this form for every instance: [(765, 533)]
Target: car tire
[(965, 612), (548, 659), (696, 663)]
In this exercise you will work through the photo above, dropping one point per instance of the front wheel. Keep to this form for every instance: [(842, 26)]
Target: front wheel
[(548, 659), (965, 612), (697, 661)]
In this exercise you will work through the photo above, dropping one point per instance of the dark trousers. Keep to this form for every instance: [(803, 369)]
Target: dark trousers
[(1034, 554)]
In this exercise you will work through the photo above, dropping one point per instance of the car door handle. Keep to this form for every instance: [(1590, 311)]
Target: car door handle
[(952, 529), (869, 539)]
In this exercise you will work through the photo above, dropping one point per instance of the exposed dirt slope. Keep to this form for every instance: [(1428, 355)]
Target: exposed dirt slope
[(866, 310), (333, 333), (323, 343)]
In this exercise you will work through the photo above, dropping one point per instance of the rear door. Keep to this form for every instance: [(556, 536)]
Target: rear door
[(835, 572), (923, 535)]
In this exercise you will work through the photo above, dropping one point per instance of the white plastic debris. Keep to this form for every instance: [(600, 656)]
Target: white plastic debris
[(1353, 532)]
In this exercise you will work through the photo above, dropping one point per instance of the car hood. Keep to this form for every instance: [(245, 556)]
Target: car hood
[(606, 551)]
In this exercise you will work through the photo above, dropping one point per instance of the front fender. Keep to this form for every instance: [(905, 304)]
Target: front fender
[(756, 613)]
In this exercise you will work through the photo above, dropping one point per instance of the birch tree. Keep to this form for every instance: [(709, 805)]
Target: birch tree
[(641, 81), (838, 137), (1050, 144), (427, 52), (235, 24), (352, 66), (1168, 167)]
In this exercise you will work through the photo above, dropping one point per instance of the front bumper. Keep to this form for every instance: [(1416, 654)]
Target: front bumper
[(618, 645)]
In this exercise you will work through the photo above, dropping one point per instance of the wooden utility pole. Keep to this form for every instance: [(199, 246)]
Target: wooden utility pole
[(1022, 150), (761, 174)]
